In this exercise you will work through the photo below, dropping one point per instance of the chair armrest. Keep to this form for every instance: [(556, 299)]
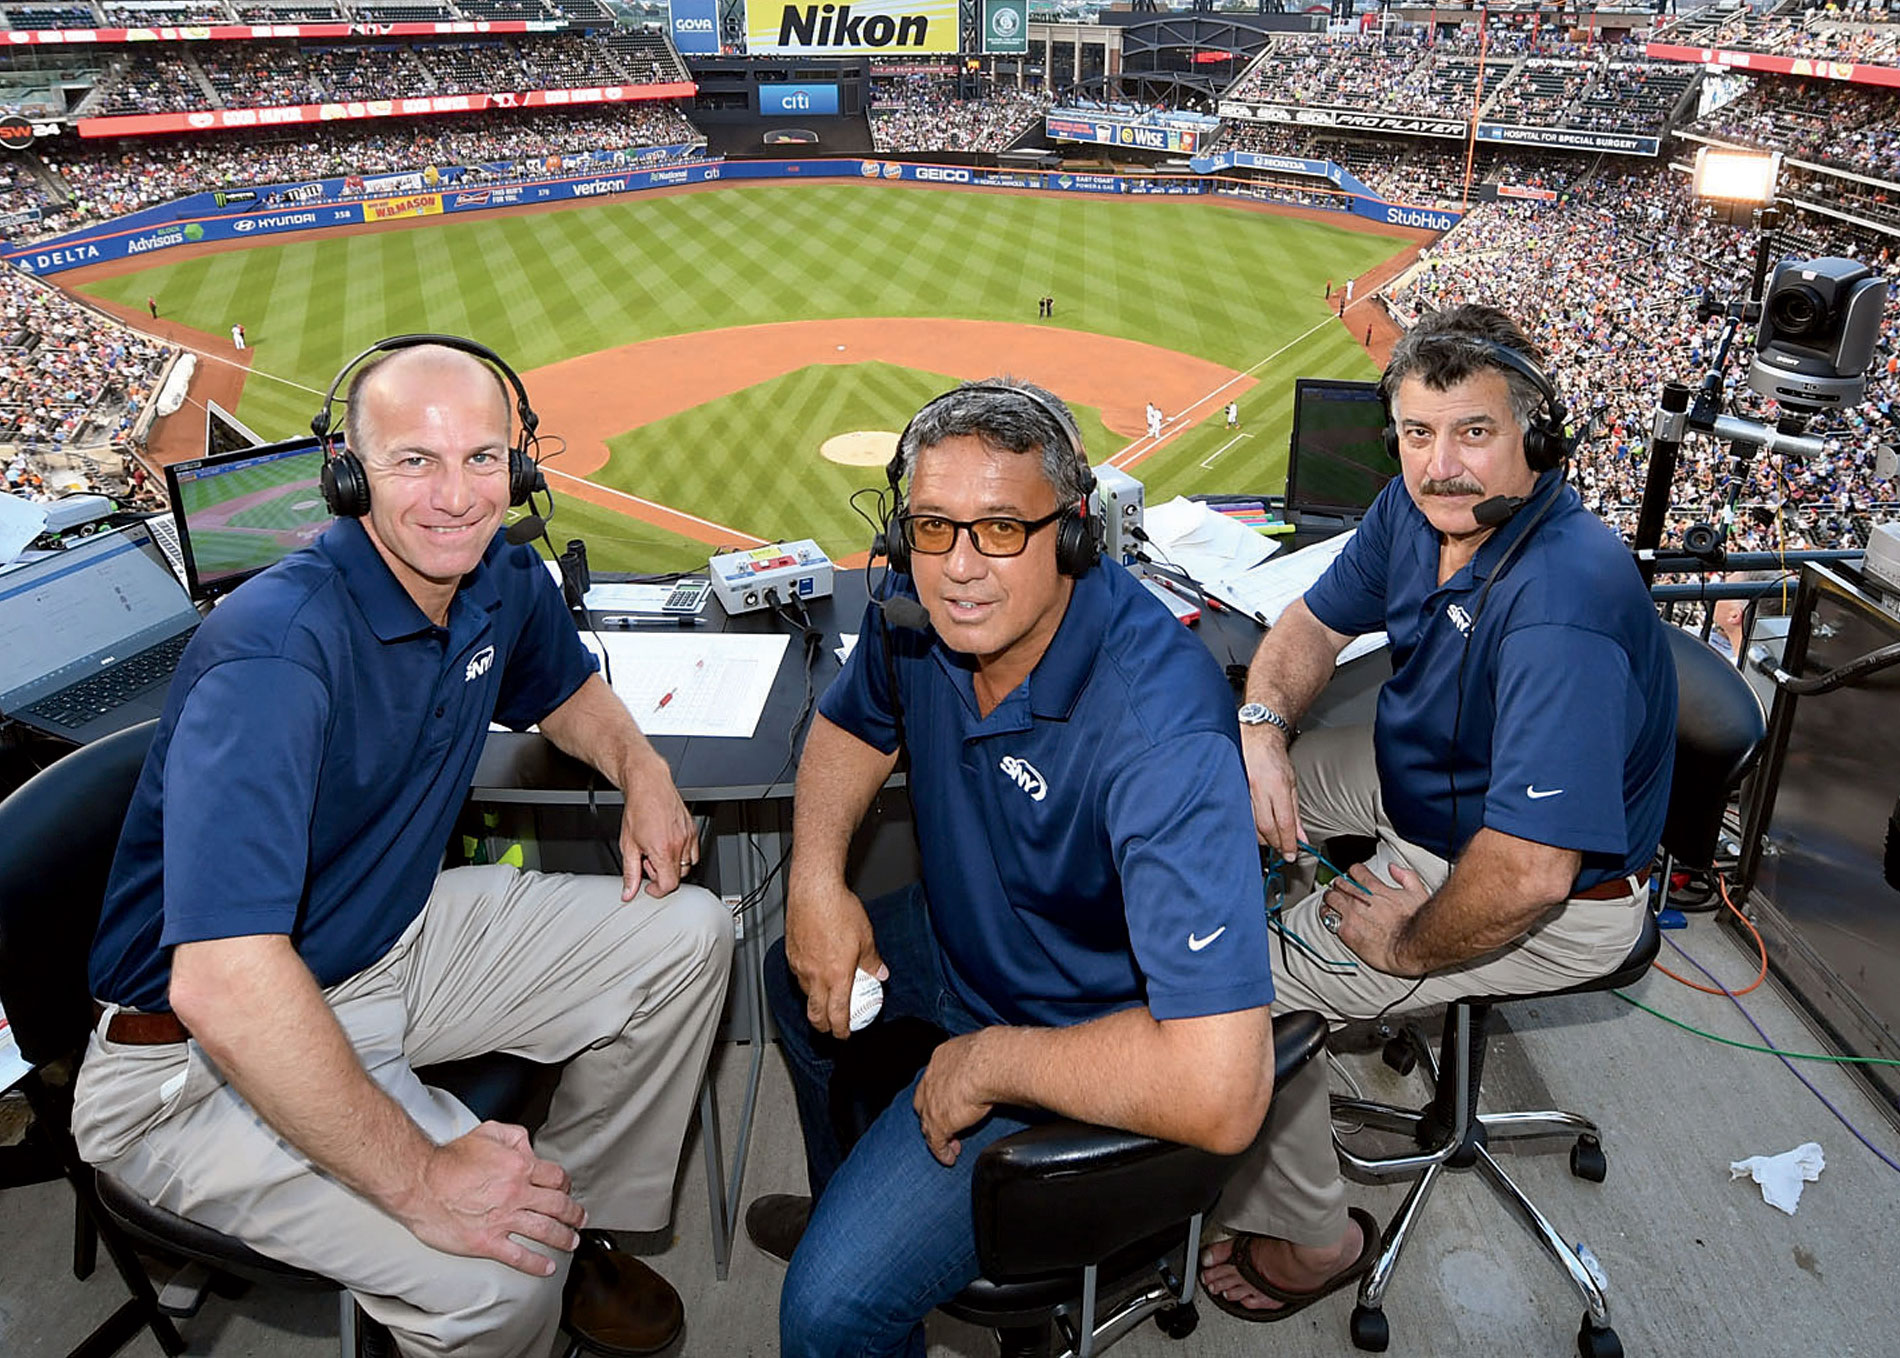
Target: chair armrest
[(1063, 1194)]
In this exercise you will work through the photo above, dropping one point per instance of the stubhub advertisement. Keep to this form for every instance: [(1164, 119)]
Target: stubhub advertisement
[(695, 25), (797, 99)]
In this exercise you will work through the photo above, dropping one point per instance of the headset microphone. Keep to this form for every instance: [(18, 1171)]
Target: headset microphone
[(526, 530), (1498, 509), (900, 610)]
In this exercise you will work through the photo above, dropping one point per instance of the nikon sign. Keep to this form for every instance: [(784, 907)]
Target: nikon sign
[(885, 27), (1006, 26)]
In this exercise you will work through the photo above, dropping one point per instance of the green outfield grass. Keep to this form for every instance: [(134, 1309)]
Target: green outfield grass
[(1219, 282)]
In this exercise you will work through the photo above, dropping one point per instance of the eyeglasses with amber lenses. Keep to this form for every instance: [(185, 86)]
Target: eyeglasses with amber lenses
[(934, 535)]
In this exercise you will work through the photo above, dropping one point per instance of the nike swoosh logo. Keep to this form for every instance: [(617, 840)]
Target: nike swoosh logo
[(1196, 944), (1530, 790)]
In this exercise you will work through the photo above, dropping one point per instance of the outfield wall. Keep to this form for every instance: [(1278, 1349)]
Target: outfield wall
[(207, 218)]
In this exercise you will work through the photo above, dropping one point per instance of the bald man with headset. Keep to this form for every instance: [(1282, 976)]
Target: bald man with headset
[(1515, 779), (1087, 926), (278, 950)]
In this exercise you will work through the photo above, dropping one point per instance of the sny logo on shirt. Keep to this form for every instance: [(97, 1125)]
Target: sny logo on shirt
[(1026, 776), (1459, 619), (478, 664)]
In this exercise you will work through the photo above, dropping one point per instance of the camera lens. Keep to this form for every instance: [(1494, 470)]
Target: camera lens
[(1797, 312)]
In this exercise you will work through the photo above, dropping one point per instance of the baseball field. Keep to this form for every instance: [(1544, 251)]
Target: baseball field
[(727, 365)]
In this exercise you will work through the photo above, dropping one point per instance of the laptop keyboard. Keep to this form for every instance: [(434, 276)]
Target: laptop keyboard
[(76, 705)]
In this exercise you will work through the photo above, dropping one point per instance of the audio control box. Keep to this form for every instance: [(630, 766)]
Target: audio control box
[(742, 581), (1118, 499)]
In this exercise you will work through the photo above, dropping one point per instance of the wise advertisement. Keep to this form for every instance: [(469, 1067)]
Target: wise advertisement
[(869, 26)]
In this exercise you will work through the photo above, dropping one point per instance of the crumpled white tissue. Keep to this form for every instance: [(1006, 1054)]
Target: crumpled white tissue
[(1781, 1176)]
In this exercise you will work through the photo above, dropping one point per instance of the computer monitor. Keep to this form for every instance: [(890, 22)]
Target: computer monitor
[(239, 512), (1338, 463)]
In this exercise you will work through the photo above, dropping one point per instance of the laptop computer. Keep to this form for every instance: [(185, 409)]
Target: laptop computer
[(237, 513), (1337, 464), (89, 637)]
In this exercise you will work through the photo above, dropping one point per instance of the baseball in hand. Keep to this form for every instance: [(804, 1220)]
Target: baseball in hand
[(867, 998)]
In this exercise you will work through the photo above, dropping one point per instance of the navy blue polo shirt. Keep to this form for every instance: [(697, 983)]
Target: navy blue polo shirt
[(1565, 732), (313, 754), (1088, 846)]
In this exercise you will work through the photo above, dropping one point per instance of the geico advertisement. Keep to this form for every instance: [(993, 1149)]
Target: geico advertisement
[(884, 26)]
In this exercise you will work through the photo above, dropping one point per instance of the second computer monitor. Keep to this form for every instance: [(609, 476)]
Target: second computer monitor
[(240, 512), (1338, 463)]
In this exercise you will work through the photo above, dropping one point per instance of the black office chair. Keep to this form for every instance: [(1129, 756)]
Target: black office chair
[(1082, 1232), (1719, 733), (58, 833)]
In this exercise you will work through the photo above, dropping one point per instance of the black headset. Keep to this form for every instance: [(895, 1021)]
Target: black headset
[(1078, 538), (1546, 445), (344, 481)]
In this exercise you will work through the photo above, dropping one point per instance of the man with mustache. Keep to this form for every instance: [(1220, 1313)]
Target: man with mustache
[(1514, 782)]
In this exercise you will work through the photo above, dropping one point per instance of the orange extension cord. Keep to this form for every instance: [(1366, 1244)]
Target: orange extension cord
[(1760, 947)]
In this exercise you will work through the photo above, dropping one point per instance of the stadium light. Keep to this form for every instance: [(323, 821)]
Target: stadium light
[(1741, 177)]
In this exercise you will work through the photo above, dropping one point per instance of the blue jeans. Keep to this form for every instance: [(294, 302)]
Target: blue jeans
[(891, 1234)]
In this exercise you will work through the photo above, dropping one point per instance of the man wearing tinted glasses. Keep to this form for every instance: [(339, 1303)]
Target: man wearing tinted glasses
[(1087, 929)]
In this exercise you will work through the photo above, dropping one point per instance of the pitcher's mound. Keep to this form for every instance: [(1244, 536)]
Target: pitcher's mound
[(861, 447)]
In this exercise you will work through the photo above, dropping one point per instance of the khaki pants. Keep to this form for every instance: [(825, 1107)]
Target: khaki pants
[(547, 967), (1289, 1186)]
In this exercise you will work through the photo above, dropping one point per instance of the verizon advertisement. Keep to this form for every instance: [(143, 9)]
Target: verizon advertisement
[(215, 120)]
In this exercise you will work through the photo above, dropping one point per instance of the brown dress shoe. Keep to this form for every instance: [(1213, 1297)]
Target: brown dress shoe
[(615, 1305), (775, 1222)]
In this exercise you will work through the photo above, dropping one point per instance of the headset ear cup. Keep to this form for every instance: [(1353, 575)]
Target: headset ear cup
[(1078, 547), (524, 476), (345, 486), (1392, 440), (896, 550)]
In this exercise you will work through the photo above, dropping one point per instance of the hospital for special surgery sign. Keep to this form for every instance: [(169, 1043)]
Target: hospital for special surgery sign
[(871, 26)]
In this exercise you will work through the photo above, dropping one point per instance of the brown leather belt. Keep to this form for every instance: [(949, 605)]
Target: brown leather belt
[(1616, 889), (141, 1030)]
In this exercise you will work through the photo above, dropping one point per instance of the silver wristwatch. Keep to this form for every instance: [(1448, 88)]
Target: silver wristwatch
[(1259, 714)]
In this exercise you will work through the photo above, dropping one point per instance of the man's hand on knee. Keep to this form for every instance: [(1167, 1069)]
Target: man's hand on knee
[(488, 1186)]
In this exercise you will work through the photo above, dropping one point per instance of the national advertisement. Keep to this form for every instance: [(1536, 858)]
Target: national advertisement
[(1006, 27), (870, 27), (694, 25)]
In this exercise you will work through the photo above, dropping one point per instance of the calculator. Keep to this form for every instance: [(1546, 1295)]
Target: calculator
[(688, 596)]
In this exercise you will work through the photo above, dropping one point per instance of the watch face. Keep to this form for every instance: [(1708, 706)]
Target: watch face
[(1253, 714)]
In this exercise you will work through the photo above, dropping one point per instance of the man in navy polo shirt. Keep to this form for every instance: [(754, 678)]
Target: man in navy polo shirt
[(1515, 779), (278, 951), (1088, 927)]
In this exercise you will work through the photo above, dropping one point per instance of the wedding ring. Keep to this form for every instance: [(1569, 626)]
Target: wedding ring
[(1329, 921)]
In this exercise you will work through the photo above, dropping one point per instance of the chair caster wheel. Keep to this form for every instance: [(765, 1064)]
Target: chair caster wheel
[(1587, 1160), (1369, 1330), (1398, 1054), (1595, 1343), (1177, 1322)]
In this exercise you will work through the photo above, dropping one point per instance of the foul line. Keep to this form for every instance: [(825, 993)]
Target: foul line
[(742, 539), (1208, 461), (1142, 447)]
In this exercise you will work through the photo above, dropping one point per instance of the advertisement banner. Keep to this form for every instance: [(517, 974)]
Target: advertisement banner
[(1006, 26), (885, 27), (777, 101), (1106, 130), (76, 37), (694, 25), (1570, 139), (389, 209), (214, 120), (1852, 72), (1352, 119)]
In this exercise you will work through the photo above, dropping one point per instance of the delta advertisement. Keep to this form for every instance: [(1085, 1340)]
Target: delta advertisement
[(871, 27), (128, 236), (1108, 130), (694, 25)]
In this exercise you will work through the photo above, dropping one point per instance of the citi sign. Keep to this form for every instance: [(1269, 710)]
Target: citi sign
[(837, 26), (1431, 221)]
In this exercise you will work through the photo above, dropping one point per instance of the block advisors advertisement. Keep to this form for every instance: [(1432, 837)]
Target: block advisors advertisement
[(778, 101), (694, 25), (886, 27), (1006, 26)]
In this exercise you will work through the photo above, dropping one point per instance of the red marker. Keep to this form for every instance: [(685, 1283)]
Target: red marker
[(665, 698)]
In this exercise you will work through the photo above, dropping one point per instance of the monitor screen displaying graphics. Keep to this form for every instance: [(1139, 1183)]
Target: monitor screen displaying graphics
[(1338, 464), (240, 512)]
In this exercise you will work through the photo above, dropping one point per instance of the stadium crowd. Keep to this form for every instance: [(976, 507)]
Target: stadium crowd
[(69, 377), (1869, 35), (921, 113), (104, 180), (1607, 280), (1855, 127)]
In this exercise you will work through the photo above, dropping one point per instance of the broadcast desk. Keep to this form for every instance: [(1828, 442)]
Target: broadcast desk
[(743, 789)]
